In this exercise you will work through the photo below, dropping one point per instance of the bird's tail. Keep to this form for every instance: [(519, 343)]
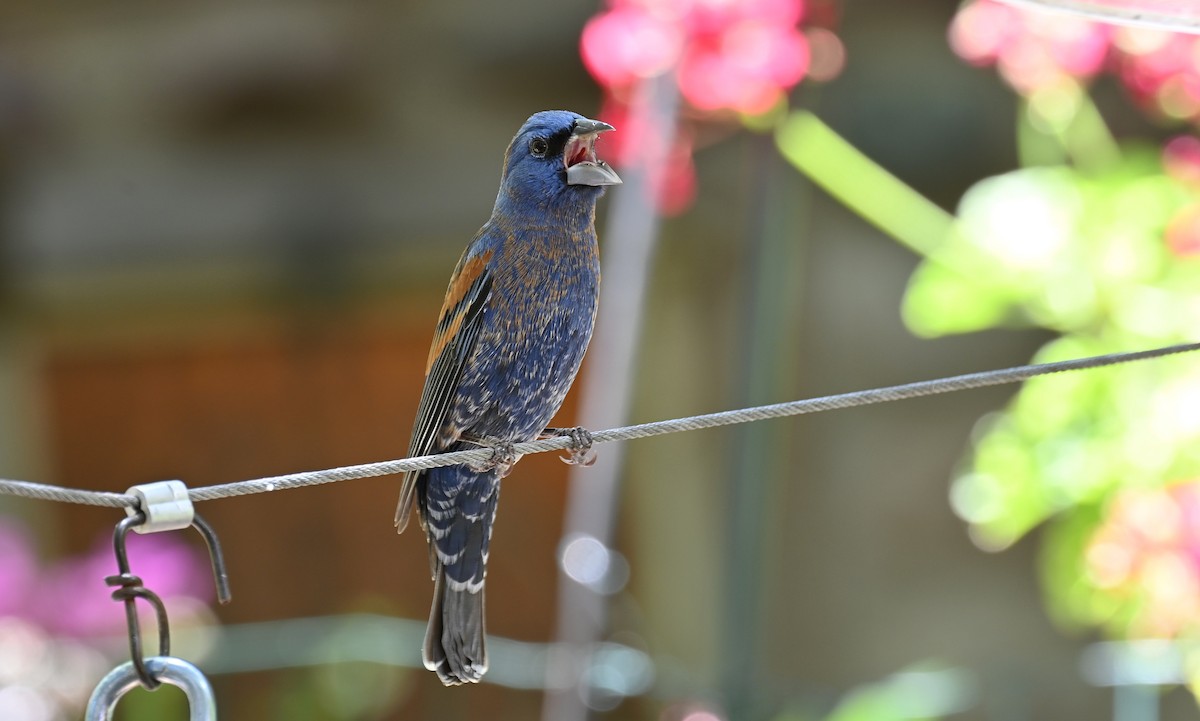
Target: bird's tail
[(454, 640)]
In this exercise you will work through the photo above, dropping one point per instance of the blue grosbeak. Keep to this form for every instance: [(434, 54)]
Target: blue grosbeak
[(512, 332)]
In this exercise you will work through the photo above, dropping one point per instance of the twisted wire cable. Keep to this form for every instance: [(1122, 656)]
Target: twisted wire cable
[(952, 384)]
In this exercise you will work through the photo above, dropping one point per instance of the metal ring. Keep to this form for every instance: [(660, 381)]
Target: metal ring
[(174, 671)]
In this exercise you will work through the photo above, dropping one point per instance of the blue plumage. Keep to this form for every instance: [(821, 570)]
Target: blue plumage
[(513, 329)]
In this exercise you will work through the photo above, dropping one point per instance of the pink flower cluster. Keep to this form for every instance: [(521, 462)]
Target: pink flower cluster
[(741, 55), (1146, 555), (726, 57), (1035, 49), (69, 598), (1161, 71), (1031, 49), (673, 181)]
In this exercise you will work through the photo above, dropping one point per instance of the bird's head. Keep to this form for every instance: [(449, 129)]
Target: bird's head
[(552, 160)]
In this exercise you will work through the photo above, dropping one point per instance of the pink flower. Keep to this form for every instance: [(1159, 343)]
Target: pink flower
[(981, 31), (673, 185), (726, 56), (1034, 49), (741, 55), (18, 570), (747, 68), (76, 602), (70, 598), (626, 44), (1031, 49), (1160, 71), (1146, 555)]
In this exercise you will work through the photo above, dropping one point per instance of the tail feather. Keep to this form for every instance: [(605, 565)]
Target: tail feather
[(458, 506), (455, 645)]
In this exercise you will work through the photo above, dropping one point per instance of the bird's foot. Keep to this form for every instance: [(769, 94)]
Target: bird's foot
[(581, 452), (503, 457)]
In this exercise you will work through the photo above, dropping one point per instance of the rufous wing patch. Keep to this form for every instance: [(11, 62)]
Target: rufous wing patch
[(457, 304)]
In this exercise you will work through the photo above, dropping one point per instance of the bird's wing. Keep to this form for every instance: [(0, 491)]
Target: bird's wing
[(453, 340)]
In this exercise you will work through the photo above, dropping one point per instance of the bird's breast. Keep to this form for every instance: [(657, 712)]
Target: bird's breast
[(537, 325)]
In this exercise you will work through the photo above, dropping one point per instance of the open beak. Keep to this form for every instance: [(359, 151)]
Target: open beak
[(579, 155)]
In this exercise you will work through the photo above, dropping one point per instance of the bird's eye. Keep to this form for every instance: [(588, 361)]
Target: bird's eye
[(538, 147)]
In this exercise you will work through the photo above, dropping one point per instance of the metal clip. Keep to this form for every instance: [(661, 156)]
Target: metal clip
[(165, 504), (174, 671), (128, 587)]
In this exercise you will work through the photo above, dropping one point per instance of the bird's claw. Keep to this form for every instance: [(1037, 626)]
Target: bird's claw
[(503, 457), (580, 452)]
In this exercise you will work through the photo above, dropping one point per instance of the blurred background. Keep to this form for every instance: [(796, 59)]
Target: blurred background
[(225, 232)]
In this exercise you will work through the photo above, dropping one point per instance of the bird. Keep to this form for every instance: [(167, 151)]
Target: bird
[(513, 329)]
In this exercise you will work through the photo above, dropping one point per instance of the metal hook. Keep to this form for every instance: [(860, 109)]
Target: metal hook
[(129, 588), (220, 575)]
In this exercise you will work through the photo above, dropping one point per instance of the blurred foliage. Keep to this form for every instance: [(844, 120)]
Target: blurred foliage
[(1105, 255), (1078, 253), (927, 690), (1097, 242)]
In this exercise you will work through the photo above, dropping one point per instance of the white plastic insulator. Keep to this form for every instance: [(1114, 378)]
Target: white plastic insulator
[(166, 505)]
